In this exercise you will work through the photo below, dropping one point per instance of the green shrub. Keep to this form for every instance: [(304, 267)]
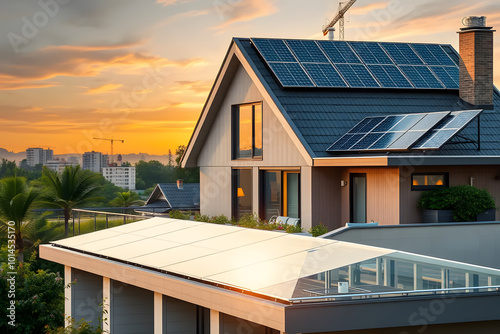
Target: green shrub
[(318, 230), (201, 218), (293, 229), (249, 220), (222, 219), (465, 201), (177, 214)]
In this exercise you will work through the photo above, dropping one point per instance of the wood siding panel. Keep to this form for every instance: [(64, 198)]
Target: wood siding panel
[(326, 197), (485, 177), (278, 147), (215, 191), (179, 316), (382, 198)]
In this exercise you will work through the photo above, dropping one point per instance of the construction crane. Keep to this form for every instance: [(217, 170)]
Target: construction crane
[(112, 141), (338, 18)]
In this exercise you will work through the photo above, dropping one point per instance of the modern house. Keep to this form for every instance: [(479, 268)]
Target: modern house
[(337, 131), (164, 275), (173, 196)]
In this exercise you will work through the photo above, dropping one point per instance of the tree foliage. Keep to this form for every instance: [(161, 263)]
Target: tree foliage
[(465, 201), (73, 188), (126, 199)]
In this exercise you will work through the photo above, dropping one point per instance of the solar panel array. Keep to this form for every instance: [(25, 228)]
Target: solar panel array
[(331, 64), (439, 136), (405, 131)]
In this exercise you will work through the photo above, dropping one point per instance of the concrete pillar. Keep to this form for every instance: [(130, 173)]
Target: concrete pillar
[(67, 294), (158, 305), (106, 307), (214, 322), (306, 198), (379, 277), (328, 281), (255, 190), (418, 282)]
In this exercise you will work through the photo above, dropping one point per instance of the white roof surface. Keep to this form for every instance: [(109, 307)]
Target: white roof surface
[(264, 262)]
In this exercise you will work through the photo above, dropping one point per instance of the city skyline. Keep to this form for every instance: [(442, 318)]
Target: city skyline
[(141, 72)]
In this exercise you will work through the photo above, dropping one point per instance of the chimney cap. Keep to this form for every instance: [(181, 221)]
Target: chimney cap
[(474, 21)]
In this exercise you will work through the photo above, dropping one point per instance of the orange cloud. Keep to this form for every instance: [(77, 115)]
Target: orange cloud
[(104, 89), (242, 11), (362, 10)]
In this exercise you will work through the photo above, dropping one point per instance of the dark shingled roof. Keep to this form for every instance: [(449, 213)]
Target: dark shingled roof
[(187, 198), (321, 116)]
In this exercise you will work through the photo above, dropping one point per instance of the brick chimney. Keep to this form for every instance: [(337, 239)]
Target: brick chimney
[(180, 184), (476, 62)]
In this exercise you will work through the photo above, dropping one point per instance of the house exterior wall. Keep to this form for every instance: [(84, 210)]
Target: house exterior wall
[(382, 198), (86, 295), (215, 160), (132, 309), (484, 177)]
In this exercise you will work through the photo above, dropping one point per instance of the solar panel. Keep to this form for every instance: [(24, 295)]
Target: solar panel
[(325, 75), (360, 64), (453, 124), (307, 51), (274, 50), (291, 75), (357, 75), (421, 76), (389, 76), (447, 78), (402, 53), (395, 132), (371, 53), (339, 52), (433, 54)]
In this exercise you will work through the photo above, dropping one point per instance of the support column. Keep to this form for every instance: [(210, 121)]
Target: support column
[(67, 295), (418, 282), (490, 282), (106, 307), (445, 278), (255, 190), (379, 278), (158, 313), (214, 322)]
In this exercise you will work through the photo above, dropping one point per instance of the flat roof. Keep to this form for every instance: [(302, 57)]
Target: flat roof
[(281, 266)]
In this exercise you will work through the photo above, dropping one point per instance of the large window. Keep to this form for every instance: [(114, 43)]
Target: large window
[(280, 194), (242, 192), (247, 131), (427, 181)]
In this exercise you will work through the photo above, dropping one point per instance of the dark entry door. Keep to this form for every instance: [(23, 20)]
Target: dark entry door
[(358, 198)]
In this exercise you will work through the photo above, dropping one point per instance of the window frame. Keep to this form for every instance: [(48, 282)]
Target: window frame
[(235, 140), (283, 196), (445, 175), (235, 183)]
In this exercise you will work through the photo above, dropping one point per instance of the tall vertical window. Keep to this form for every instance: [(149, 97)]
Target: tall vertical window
[(242, 192), (247, 131)]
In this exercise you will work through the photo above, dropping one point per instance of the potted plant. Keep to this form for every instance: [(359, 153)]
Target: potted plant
[(458, 203)]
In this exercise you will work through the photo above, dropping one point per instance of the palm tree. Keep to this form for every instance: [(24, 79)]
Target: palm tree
[(16, 202), (126, 199), (72, 188)]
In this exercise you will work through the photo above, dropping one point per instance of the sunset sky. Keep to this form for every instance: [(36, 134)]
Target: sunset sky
[(140, 70)]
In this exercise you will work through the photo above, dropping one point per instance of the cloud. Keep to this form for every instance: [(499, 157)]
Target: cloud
[(104, 89), (172, 2), (197, 87), (363, 10), (242, 11)]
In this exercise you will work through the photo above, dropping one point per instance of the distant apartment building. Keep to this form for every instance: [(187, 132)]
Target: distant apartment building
[(59, 165), (37, 155), (123, 177), (94, 161)]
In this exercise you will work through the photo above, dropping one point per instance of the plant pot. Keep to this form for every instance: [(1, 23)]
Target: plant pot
[(437, 216), (487, 216)]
